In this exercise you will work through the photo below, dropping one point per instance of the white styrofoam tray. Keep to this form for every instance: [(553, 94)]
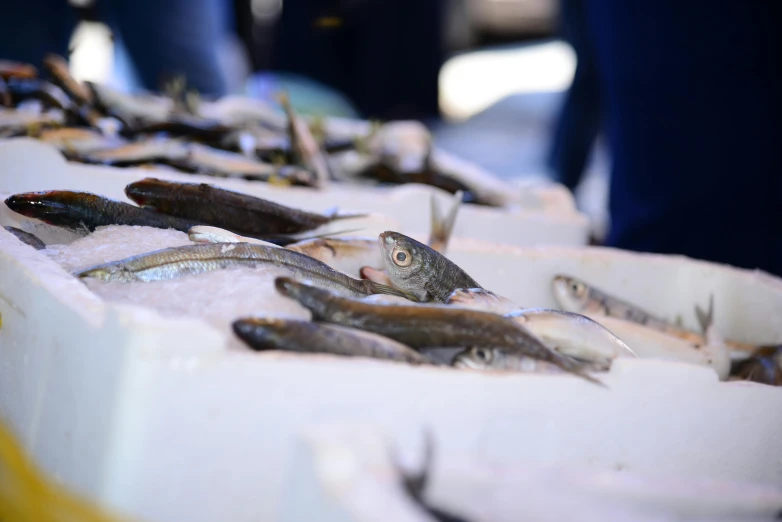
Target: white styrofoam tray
[(549, 216), (156, 418)]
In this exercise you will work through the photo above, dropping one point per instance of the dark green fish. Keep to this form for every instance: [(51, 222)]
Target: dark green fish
[(308, 337), (426, 326), (210, 205), (421, 271), (76, 210)]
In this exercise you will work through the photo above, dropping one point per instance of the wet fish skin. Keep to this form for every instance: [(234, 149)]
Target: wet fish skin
[(573, 335), (175, 262), (27, 238), (75, 210), (58, 69), (574, 295), (308, 337), (426, 326), (481, 299), (480, 358), (420, 270), (234, 211)]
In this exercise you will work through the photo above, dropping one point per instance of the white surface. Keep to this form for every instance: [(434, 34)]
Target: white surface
[(158, 418), (343, 469), (28, 165)]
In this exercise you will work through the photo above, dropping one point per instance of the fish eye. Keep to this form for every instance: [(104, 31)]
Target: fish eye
[(401, 257), (482, 354), (578, 289)]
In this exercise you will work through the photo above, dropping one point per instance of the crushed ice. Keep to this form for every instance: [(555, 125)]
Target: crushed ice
[(219, 297)]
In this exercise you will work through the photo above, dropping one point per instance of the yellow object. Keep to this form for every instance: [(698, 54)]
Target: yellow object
[(328, 22), (26, 495)]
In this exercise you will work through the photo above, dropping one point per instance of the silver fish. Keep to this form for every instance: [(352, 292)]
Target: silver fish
[(573, 335), (478, 358), (172, 263)]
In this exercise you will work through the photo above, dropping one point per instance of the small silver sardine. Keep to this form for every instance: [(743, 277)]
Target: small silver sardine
[(478, 358), (175, 262), (481, 299), (574, 295)]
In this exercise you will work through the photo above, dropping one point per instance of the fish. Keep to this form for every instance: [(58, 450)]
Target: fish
[(648, 343), (77, 210), (209, 205), (481, 358), (574, 335), (574, 295), (207, 234), (373, 274), (347, 255), (185, 126), (131, 109), (442, 225), (308, 337), (14, 121), (175, 262), (764, 365), (305, 148), (57, 66), (480, 299), (145, 151), (35, 89), (27, 238), (10, 69), (420, 270), (426, 325), (208, 160), (76, 141)]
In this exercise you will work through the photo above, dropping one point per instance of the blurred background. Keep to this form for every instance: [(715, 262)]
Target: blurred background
[(486, 76)]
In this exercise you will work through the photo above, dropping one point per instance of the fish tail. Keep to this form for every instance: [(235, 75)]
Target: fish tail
[(705, 318), (442, 226), (572, 366), (334, 214)]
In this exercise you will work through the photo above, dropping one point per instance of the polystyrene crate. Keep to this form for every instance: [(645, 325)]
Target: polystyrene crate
[(158, 419)]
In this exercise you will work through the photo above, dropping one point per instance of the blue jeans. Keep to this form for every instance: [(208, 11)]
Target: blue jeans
[(163, 37)]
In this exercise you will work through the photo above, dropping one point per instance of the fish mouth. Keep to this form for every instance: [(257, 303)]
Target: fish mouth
[(142, 191), (35, 205), (387, 239)]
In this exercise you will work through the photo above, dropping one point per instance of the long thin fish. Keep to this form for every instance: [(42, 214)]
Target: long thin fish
[(482, 358), (234, 211), (425, 326), (575, 295), (308, 337), (175, 262), (420, 270), (27, 238), (75, 210)]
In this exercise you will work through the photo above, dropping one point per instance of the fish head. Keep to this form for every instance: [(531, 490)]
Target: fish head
[(260, 333), (315, 299), (149, 191), (407, 262), (56, 207), (571, 294), (476, 358), (107, 272)]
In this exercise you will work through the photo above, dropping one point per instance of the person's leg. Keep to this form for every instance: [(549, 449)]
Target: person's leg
[(695, 126), (29, 29), (171, 37), (579, 120)]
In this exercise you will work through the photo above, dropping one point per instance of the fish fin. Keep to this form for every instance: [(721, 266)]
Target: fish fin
[(705, 319), (334, 214), (378, 288), (442, 226), (373, 274), (415, 483)]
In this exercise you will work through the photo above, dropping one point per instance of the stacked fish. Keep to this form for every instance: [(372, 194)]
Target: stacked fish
[(230, 137), (412, 303)]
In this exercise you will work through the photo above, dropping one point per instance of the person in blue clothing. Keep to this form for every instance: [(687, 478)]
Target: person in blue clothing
[(163, 37), (690, 97)]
